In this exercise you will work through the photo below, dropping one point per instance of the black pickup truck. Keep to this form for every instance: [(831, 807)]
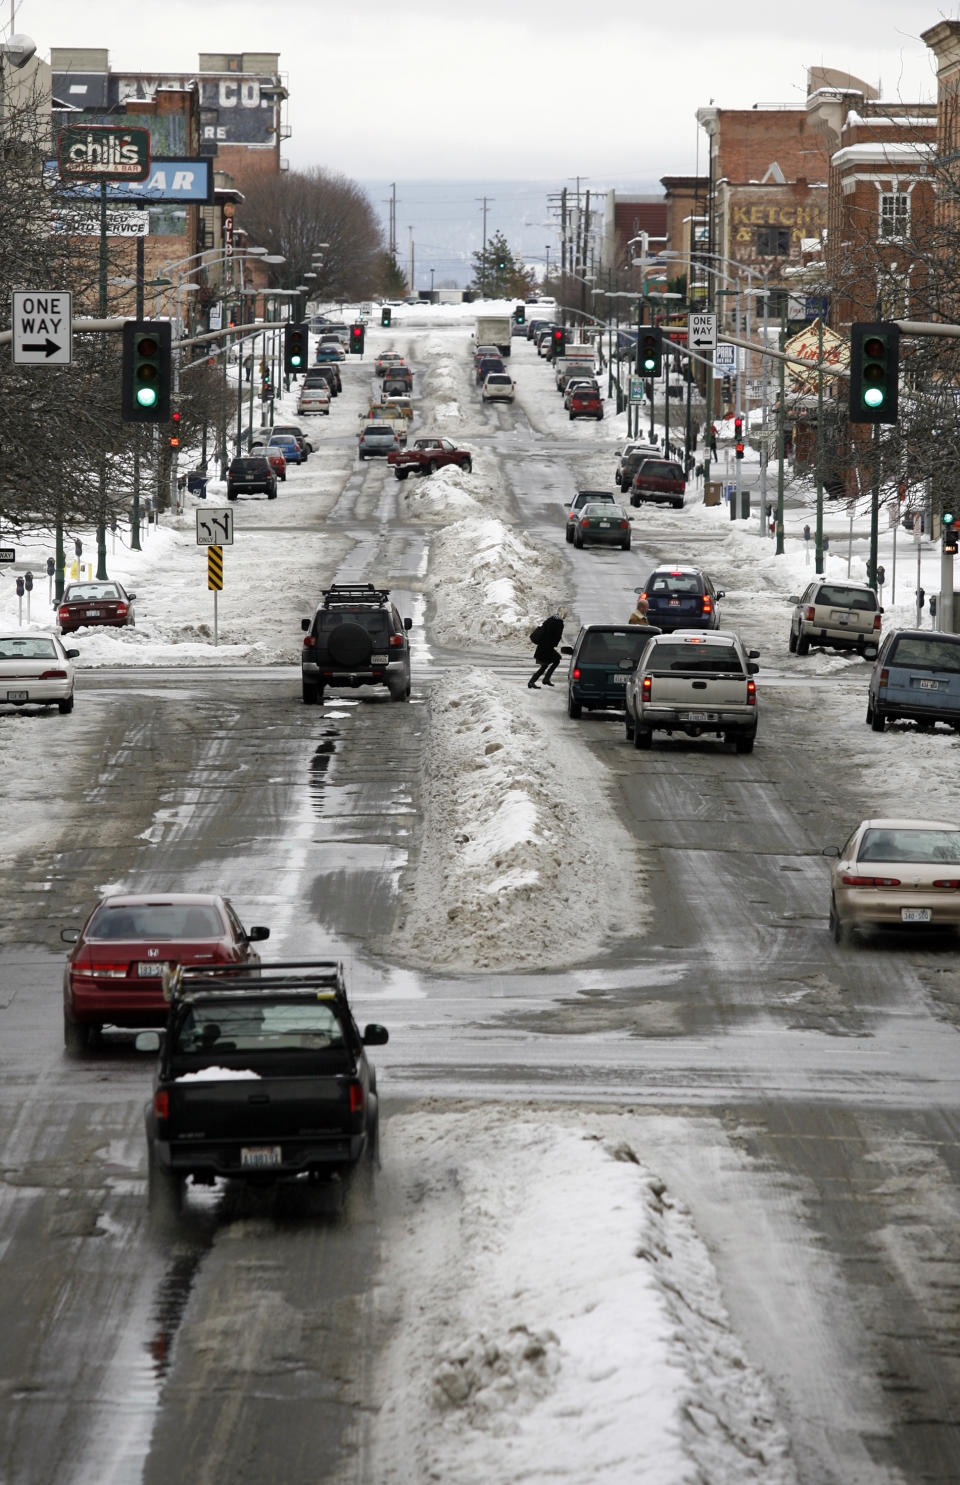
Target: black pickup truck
[(261, 1079)]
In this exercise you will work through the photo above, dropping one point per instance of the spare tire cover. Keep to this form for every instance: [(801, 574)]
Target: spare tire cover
[(350, 645)]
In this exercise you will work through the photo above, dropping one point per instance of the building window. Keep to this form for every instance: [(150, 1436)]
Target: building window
[(894, 214), (773, 242)]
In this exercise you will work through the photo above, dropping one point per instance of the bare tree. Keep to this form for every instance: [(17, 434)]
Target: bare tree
[(294, 213)]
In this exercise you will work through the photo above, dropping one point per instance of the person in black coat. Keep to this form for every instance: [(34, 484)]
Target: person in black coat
[(546, 638)]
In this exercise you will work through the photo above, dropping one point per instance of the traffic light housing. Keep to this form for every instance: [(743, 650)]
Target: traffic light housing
[(356, 339), (501, 265), (948, 530), (295, 348), (874, 371), (649, 351), (738, 436), (520, 314), (175, 430), (145, 371), (386, 316), (558, 342)]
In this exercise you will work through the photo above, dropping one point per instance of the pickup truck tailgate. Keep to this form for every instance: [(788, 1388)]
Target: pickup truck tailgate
[(261, 1108), (703, 692)]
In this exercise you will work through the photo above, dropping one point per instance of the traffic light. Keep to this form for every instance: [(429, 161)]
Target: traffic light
[(948, 530), (356, 339), (874, 371), (386, 315), (175, 430), (145, 372), (295, 342), (738, 436), (649, 351), (520, 314), (558, 343), (501, 265)]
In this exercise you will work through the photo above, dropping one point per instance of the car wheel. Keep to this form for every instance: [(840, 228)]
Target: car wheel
[(76, 1036), (744, 744), (432, 467), (66, 705), (311, 693), (574, 708), (578, 541), (635, 500), (569, 533), (271, 494), (792, 643), (599, 417), (467, 466), (628, 726), (803, 645), (571, 417), (642, 738), (230, 497), (283, 478), (625, 545), (677, 504), (401, 473), (878, 720), (837, 930), (164, 1192), (869, 717)]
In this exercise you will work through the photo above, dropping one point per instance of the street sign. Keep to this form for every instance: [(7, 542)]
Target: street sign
[(103, 152), (215, 568), (75, 222), (214, 528), (636, 389), (725, 357), (42, 325), (701, 332), (8, 554)]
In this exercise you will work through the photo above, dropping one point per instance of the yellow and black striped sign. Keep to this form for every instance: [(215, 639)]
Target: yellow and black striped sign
[(215, 568)]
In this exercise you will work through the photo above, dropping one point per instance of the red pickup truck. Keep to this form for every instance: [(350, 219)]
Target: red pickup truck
[(659, 480), (427, 456)]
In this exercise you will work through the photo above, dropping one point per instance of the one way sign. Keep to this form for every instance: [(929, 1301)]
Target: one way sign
[(701, 332), (42, 324)]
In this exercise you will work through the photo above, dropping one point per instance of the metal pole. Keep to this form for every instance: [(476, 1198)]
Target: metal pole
[(763, 418), (738, 378), (819, 544), (919, 542), (781, 432), (893, 575), (874, 509), (666, 401)]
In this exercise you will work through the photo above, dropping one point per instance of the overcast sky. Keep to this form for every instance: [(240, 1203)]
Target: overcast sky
[(516, 89)]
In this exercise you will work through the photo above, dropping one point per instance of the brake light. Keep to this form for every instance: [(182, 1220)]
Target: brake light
[(161, 1105), (810, 614), (624, 525), (64, 612), (707, 604), (396, 641), (948, 884), (646, 687), (309, 641), (356, 1098), (121, 610), (884, 677), (53, 675), (576, 673), (751, 693), (585, 523), (853, 881), (876, 621), (101, 971)]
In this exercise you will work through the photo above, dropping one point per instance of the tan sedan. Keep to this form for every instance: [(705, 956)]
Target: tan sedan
[(897, 873)]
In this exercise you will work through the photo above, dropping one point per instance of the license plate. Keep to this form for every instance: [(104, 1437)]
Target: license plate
[(620, 680), (260, 1157), (604, 525), (151, 969), (673, 603), (698, 716), (17, 695), (379, 659), (842, 618), (915, 915), (929, 685), (93, 613)]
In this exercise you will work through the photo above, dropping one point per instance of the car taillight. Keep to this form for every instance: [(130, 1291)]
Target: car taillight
[(309, 642), (646, 687), (576, 673), (396, 641), (624, 525), (356, 1098), (877, 620), (161, 1105), (63, 613), (707, 604), (53, 675), (947, 883), (121, 610), (103, 971), (585, 523), (751, 693), (853, 881), (884, 677), (810, 614)]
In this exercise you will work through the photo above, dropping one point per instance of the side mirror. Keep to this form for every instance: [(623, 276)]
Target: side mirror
[(257, 935), (148, 1041), (566, 649), (753, 654), (831, 851), (752, 667), (305, 625), (70, 935), (375, 1035), (794, 598), (639, 590), (721, 593), (132, 596), (72, 654), (408, 623)]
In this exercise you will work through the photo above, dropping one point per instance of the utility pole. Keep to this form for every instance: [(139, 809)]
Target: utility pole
[(563, 232), (412, 287), (392, 234), (483, 259)]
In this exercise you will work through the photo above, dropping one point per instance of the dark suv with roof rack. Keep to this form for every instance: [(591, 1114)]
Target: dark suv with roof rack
[(355, 638)]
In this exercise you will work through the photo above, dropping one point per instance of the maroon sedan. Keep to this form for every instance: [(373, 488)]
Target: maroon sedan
[(95, 603), (114, 973)]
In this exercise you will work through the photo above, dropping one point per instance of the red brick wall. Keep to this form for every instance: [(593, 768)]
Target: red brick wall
[(750, 140)]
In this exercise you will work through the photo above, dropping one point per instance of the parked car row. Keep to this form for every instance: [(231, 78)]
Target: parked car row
[(646, 476)]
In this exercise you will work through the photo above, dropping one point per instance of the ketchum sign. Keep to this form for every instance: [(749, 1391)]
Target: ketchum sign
[(104, 152)]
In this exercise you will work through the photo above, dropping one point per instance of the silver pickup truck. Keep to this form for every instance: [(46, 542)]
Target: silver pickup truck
[(696, 683)]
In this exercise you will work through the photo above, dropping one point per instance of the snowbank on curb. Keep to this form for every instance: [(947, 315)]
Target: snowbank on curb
[(514, 834), (487, 583), (572, 1328)]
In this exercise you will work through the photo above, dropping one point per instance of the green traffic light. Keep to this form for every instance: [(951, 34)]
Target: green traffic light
[(146, 396)]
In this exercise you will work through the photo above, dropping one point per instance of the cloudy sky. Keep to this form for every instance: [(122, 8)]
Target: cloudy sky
[(515, 89)]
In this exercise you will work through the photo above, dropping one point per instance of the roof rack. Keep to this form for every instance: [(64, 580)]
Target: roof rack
[(306, 975), (354, 593)]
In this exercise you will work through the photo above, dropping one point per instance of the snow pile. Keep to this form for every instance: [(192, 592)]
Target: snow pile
[(439, 497), (550, 1333), (487, 583), (508, 837)]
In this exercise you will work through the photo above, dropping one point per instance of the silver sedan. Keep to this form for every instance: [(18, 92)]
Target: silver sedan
[(896, 873), (35, 669)]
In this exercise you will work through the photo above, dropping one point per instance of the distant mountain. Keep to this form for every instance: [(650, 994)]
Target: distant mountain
[(446, 218)]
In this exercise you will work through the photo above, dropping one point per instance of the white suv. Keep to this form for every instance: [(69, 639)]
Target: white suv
[(836, 616)]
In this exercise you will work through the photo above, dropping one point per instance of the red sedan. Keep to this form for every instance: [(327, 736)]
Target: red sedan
[(114, 973), (92, 603)]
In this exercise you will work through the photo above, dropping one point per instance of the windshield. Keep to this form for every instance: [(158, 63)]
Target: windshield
[(156, 920), (910, 845)]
